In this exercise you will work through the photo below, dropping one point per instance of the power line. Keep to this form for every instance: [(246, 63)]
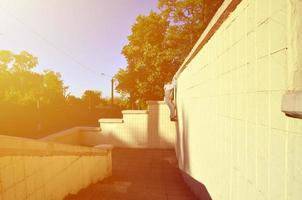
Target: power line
[(108, 76), (52, 44)]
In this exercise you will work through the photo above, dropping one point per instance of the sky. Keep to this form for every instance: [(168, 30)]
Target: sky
[(78, 38)]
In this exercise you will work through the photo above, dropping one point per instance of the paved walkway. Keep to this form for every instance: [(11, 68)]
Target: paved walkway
[(140, 174)]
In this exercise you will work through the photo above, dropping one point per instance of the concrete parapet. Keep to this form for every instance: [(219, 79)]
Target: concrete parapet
[(31, 169), (149, 128)]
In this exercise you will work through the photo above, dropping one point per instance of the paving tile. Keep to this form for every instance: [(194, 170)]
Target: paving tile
[(148, 174)]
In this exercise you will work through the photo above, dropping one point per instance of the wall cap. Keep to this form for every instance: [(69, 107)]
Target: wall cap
[(18, 146), (61, 133), (69, 131), (111, 120), (220, 16), (104, 146), (155, 102), (292, 104), (135, 112)]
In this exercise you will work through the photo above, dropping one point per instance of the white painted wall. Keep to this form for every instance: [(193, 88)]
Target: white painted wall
[(149, 128), (232, 135), (32, 169)]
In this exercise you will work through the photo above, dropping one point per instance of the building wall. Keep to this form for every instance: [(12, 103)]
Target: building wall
[(232, 135), (31, 169), (149, 128)]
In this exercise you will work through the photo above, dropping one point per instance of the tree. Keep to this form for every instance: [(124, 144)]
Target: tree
[(147, 59), (53, 88), (35, 104), (73, 101), (91, 99), (6, 57), (158, 45), (126, 86), (24, 61), (17, 82)]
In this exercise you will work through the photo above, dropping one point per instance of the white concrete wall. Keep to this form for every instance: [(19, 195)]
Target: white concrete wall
[(161, 130), (232, 135), (31, 169), (75, 136), (149, 128), (294, 43)]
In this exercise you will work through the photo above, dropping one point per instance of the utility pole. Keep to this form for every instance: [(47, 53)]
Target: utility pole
[(112, 87), (39, 114), (112, 91)]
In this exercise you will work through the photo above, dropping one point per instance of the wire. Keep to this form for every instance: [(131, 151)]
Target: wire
[(108, 76), (53, 45)]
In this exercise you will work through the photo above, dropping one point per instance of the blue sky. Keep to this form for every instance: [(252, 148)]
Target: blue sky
[(78, 38)]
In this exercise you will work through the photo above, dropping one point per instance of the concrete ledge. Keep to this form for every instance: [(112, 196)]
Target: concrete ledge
[(84, 128), (72, 136), (111, 120), (33, 169), (155, 102), (69, 132), (104, 147), (149, 128), (61, 133), (292, 104), (12, 146), (221, 15), (135, 112)]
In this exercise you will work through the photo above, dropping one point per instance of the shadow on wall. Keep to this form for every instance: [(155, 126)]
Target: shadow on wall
[(83, 136), (149, 128), (196, 187), (183, 156), (153, 126), (97, 137)]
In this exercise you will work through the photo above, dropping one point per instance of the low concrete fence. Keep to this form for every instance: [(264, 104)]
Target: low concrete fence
[(149, 128), (32, 169), (83, 136)]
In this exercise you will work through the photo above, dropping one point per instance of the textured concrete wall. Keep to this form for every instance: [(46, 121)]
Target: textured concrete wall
[(149, 128), (294, 13), (232, 135), (32, 169), (83, 136), (161, 130)]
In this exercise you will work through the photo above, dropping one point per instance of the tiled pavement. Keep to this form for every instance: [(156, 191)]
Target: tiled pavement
[(140, 174)]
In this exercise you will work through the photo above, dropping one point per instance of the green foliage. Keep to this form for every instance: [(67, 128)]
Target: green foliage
[(147, 59), (158, 45), (91, 99), (24, 61), (5, 58), (35, 104)]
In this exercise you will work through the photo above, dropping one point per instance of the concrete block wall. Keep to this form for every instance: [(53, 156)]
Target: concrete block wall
[(31, 169), (131, 131), (161, 130), (75, 136), (149, 128), (232, 135)]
